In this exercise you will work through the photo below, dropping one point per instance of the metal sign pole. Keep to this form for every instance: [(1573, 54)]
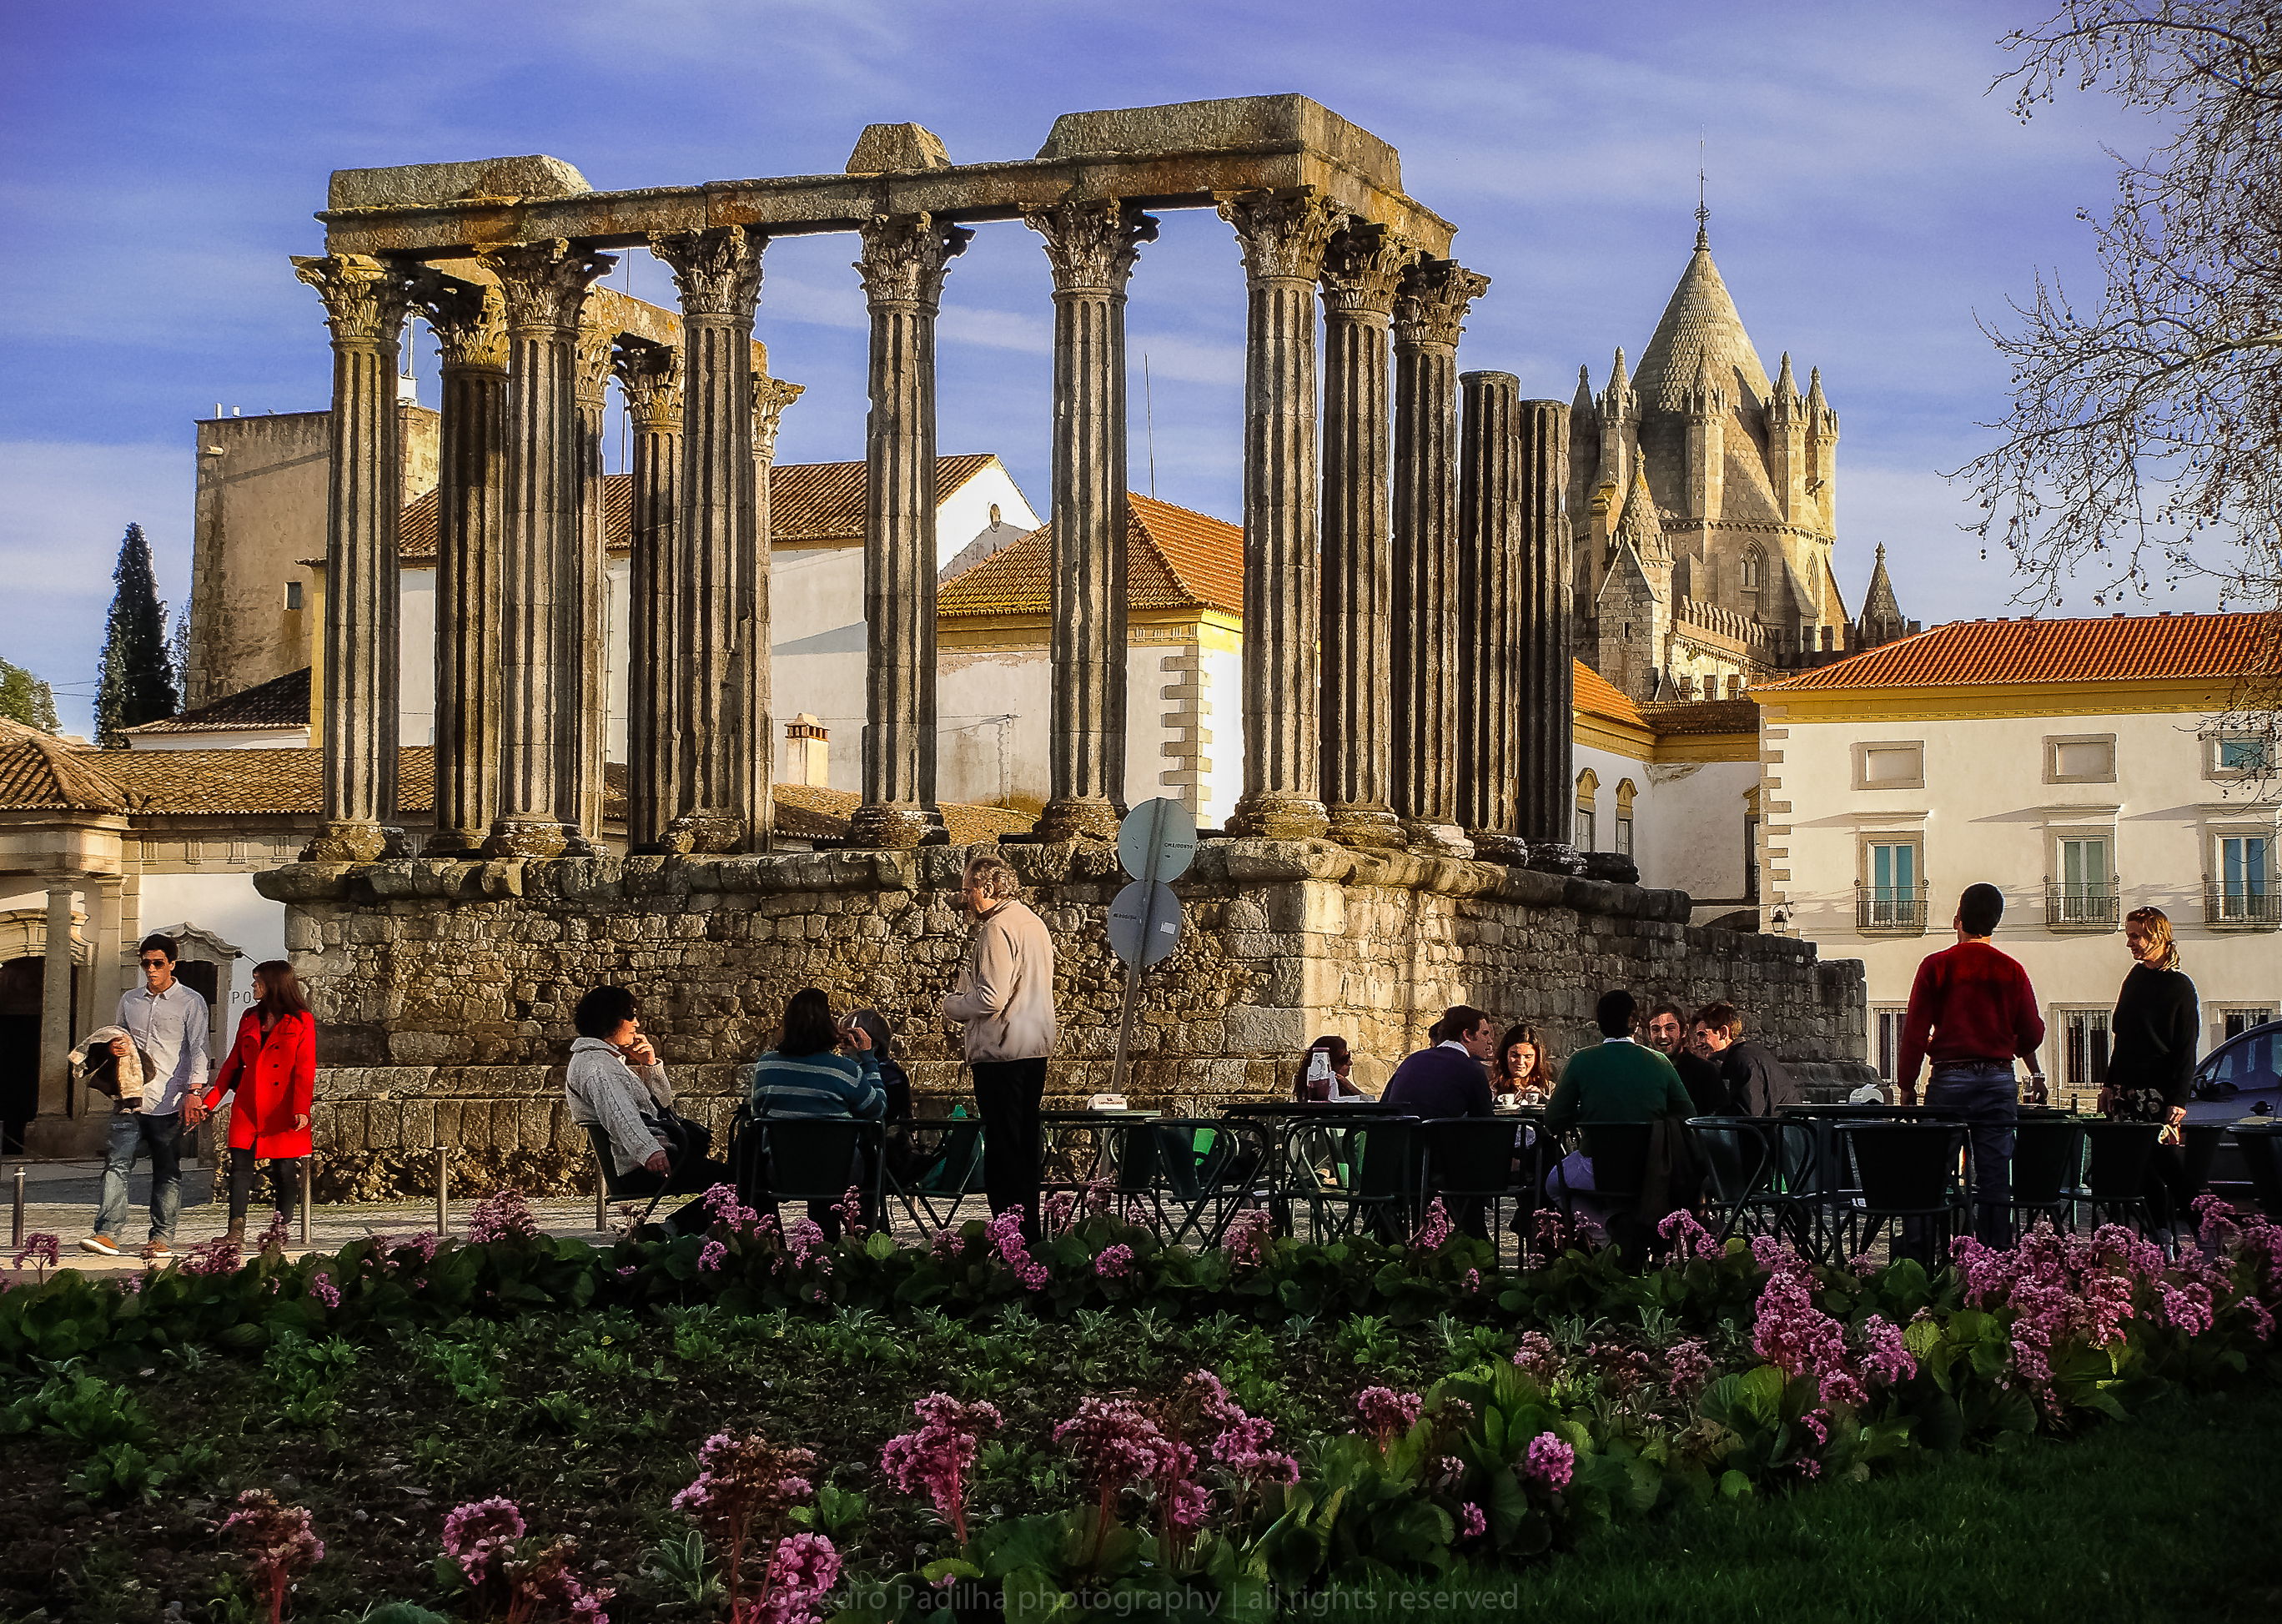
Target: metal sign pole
[(1133, 967)]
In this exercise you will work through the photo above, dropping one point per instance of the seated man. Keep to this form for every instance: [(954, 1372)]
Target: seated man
[(1757, 1083), (1618, 1081), (1669, 1034), (1450, 1078), (616, 1083)]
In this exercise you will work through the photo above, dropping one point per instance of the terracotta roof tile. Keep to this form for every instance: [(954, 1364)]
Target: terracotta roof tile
[(1595, 695), (1175, 558), (1685, 717), (281, 701), (2120, 648), (224, 782), (809, 503), (40, 772), (829, 810)]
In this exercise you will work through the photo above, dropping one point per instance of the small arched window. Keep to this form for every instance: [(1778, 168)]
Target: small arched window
[(1626, 791), (1754, 568), (1588, 785)]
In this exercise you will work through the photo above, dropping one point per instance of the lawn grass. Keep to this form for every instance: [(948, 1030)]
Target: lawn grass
[(2168, 1517)]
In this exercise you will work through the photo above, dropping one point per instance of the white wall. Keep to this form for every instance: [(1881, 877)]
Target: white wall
[(1694, 840)]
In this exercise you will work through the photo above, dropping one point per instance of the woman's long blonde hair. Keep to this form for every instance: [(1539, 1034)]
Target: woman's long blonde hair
[(2157, 924)]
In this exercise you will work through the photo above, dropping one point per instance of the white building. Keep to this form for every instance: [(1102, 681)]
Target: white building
[(2084, 767)]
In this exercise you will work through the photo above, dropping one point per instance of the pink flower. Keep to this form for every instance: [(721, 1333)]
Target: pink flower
[(504, 1215), (1818, 1424), (41, 1248), (938, 1457), (322, 1288), (1249, 1236), (1537, 1355), (272, 1236), (1114, 1263), (1792, 1334), (1433, 1230), (1474, 1281), (805, 1238), (1690, 1239), (1550, 1232), (1691, 1365), (722, 1203), (1549, 1461), (849, 1209), (279, 1543), (948, 1247), (745, 1487), (2188, 1308), (477, 1532), (1386, 1414), (1471, 1524), (713, 1256), (215, 1256), (805, 1564), (1886, 1357), (1005, 1235)]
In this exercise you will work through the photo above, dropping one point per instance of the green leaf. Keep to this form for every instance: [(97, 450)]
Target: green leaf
[(1029, 1596), (880, 1245), (1734, 1485)]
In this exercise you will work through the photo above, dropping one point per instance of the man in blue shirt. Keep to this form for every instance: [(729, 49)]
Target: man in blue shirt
[(166, 1023)]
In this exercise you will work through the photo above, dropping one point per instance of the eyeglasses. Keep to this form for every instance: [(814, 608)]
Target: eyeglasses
[(156, 964)]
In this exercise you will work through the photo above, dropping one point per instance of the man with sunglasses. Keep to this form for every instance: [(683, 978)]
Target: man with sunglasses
[(166, 1023)]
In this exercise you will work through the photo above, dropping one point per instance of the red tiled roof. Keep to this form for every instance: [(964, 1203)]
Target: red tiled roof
[(2120, 648), (1175, 558), (281, 701), (1595, 695), (809, 503), (40, 772)]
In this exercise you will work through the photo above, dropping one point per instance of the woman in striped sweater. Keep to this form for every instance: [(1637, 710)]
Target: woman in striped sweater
[(804, 1077)]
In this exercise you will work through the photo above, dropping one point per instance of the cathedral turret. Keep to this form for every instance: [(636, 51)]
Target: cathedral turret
[(1822, 452), (1881, 619), (1584, 452), (1787, 460), (1706, 407), (1619, 420)]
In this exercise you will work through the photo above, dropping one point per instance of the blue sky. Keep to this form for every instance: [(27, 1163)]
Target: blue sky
[(1869, 196)]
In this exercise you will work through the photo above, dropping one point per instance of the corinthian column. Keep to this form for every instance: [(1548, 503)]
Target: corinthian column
[(585, 659), (1359, 277), (544, 285), (1429, 311), (718, 271), (905, 257), (365, 304), (469, 322), (651, 376), (1489, 624), (756, 707), (1283, 236), (1091, 246), (1547, 774)]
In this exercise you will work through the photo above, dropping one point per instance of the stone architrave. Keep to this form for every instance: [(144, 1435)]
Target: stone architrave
[(1547, 779), (906, 258), (469, 322), (544, 286), (1430, 311), (1359, 276), (719, 272), (366, 301), (649, 376), (1092, 245), (1490, 532), (755, 748), (586, 645), (1285, 236)]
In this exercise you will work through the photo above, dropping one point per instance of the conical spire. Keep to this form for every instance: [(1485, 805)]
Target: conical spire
[(1700, 321), (1642, 526), (1582, 405), (1617, 380), (1786, 386), (1814, 397), (1879, 608)]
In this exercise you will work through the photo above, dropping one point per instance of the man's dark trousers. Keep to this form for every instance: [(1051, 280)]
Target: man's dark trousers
[(1986, 1096), (1007, 1092)]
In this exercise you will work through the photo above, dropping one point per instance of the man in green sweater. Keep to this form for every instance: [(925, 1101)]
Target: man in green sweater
[(1618, 1081)]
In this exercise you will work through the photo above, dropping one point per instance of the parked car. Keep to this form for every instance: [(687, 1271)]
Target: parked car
[(2241, 1077)]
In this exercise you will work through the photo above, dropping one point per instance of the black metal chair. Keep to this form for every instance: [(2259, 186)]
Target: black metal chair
[(2117, 1158), (945, 1165), (1468, 1162), (1738, 1154), (614, 1185), (2199, 1147), (2047, 1162), (2261, 1143), (1190, 1175), (1619, 1153), (1373, 1167), (812, 1159), (1906, 1173)]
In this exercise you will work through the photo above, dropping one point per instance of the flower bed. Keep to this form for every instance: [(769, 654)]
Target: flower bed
[(887, 1429)]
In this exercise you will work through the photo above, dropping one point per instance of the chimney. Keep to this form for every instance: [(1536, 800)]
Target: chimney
[(808, 753)]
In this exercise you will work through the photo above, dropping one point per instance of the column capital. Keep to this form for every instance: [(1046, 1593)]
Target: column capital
[(1431, 300), (591, 363), (1091, 244), (467, 318), (1363, 268), (717, 270), (365, 297), (771, 396), (906, 257), (650, 375), (1283, 233), (544, 284)]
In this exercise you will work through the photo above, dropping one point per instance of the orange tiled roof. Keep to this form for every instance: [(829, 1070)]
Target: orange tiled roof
[(40, 772), (2120, 648), (809, 503), (827, 812), (281, 701), (1175, 558), (1595, 695), (1688, 717)]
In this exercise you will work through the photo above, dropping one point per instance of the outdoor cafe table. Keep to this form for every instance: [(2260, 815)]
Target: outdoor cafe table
[(1287, 1120), (1069, 1158)]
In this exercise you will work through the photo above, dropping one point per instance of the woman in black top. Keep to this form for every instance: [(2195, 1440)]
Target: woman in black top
[(2151, 1057)]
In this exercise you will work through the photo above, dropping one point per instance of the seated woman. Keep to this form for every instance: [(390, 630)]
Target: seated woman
[(616, 1083), (904, 1161), (1523, 1075), (1330, 1079), (805, 1075)]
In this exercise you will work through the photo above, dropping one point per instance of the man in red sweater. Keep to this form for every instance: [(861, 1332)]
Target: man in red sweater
[(1971, 1012)]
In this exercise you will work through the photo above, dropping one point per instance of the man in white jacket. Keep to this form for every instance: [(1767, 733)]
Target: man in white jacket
[(1005, 1000)]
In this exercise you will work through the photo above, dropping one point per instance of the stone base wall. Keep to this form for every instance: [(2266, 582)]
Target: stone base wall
[(444, 991)]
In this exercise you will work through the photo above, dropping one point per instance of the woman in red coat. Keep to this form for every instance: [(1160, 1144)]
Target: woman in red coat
[(272, 1069)]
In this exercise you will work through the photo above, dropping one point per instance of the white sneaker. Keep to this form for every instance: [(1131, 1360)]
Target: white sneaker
[(104, 1244)]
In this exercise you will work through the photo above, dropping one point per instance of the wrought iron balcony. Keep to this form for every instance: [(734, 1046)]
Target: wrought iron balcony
[(1890, 910), (2235, 906), (2082, 906)]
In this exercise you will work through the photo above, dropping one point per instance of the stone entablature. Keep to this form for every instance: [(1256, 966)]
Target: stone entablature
[(444, 989)]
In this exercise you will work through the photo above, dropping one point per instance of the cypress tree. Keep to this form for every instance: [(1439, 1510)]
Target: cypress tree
[(25, 698), (137, 684)]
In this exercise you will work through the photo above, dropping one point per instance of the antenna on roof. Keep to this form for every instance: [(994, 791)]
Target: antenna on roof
[(1149, 418), (1703, 211)]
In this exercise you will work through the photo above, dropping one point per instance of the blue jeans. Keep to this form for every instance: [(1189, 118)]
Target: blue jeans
[(162, 1137), (1985, 1095)]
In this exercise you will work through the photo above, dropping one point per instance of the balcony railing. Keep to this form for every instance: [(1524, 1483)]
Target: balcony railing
[(1896, 910), (2083, 907), (2241, 908)]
